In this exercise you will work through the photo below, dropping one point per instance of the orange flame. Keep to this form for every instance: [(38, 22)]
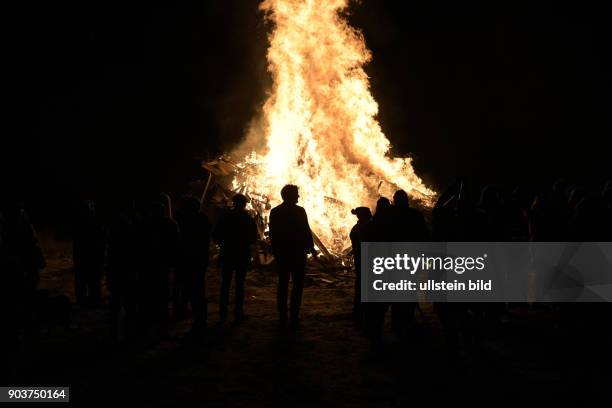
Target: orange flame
[(319, 122)]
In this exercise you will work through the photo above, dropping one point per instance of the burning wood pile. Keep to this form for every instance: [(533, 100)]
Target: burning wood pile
[(317, 129), (328, 268)]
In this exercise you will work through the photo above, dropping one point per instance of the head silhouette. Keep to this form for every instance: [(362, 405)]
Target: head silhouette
[(400, 199), (383, 206), (289, 193), (362, 213), (239, 201)]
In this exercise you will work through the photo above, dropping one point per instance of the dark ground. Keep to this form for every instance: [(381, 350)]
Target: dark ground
[(326, 363)]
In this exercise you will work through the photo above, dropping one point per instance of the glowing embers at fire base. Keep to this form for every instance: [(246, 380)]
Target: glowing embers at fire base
[(318, 128)]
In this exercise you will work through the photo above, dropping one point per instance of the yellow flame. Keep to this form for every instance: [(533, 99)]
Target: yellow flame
[(319, 122)]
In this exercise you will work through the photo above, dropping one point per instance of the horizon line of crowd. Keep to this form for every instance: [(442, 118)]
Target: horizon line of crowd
[(153, 258)]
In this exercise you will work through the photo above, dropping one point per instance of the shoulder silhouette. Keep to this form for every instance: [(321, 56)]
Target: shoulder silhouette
[(289, 229), (235, 233), (291, 240), (409, 223)]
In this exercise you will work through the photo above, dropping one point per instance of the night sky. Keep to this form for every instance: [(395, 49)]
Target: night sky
[(115, 98)]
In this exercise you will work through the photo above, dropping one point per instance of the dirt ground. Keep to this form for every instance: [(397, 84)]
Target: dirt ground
[(325, 363)]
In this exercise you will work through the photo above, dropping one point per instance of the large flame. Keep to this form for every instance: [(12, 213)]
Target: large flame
[(319, 128)]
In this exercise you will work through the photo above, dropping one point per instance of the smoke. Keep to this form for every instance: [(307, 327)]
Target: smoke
[(253, 141)]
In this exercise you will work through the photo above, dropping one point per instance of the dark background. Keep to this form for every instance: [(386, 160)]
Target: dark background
[(109, 99)]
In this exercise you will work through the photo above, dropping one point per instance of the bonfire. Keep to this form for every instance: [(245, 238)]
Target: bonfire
[(318, 127)]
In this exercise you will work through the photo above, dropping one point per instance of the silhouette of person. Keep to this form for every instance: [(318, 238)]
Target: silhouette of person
[(454, 215), (291, 240), (382, 230), (409, 226), (454, 218), (235, 233), (551, 211), (23, 252), (561, 191), (409, 223), (193, 254), (160, 240), (588, 221), (490, 223), (89, 248), (518, 229), (359, 233), (123, 256), (21, 242)]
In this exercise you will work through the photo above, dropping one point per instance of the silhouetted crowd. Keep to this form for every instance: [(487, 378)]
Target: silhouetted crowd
[(155, 259)]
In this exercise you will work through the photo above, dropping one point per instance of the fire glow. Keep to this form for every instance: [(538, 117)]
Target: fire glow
[(318, 128)]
